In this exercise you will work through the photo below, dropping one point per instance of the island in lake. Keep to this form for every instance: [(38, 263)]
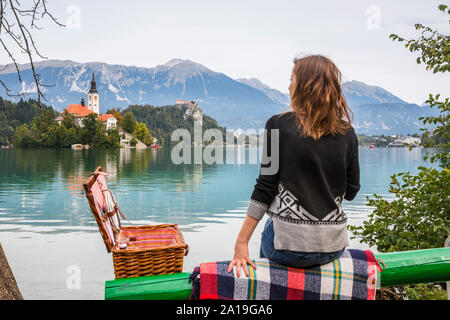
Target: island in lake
[(27, 124)]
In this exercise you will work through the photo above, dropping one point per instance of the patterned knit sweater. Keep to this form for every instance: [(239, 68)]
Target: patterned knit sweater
[(304, 194)]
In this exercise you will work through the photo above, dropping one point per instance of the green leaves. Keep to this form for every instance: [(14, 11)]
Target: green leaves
[(432, 46), (141, 133), (439, 137), (133, 142), (418, 217), (161, 121), (443, 7), (128, 122)]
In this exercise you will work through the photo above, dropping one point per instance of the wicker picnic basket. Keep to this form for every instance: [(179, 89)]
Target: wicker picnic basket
[(137, 250)]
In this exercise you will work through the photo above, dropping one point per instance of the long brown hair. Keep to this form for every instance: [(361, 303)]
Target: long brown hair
[(317, 98)]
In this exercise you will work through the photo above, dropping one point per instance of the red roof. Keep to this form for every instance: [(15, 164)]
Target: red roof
[(78, 110), (105, 117)]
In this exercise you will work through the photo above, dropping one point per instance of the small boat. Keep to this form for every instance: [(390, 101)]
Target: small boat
[(372, 146), (77, 146), (155, 146)]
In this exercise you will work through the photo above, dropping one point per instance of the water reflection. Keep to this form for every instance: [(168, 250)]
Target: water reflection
[(43, 187)]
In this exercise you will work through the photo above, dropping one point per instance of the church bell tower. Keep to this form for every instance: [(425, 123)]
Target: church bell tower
[(93, 98)]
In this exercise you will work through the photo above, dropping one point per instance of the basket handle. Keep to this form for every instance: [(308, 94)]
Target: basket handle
[(186, 250), (97, 172)]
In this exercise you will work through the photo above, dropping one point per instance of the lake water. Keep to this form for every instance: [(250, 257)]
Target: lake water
[(47, 229)]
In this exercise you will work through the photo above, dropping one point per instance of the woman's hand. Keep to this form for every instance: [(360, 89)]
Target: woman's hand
[(241, 259)]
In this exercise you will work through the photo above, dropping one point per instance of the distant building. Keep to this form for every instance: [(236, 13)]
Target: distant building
[(109, 120), (59, 120), (193, 110), (80, 111), (410, 140), (403, 141), (184, 102), (93, 97)]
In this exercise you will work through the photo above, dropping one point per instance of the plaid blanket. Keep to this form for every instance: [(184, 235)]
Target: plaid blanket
[(351, 277)]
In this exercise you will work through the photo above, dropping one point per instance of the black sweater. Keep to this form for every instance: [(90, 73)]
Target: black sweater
[(308, 187)]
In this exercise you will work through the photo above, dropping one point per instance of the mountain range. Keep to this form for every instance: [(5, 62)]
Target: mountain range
[(234, 103)]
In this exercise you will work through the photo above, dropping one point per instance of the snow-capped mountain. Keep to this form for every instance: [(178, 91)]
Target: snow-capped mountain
[(275, 95), (375, 110), (231, 103), (242, 103), (359, 93)]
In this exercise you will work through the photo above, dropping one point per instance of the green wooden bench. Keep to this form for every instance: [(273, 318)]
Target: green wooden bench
[(401, 268)]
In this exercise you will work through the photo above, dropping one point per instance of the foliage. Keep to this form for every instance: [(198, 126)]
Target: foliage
[(417, 218), (112, 139), (424, 291), (13, 115), (162, 121), (35, 128), (128, 122), (440, 136), (116, 113), (152, 122), (133, 142), (94, 133), (419, 215), (22, 137), (68, 120), (141, 133), (43, 131), (432, 46), (421, 291)]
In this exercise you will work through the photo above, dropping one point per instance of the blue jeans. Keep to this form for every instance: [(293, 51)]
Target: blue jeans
[(292, 258)]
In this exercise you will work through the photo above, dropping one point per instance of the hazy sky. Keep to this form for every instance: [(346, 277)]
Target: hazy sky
[(251, 38)]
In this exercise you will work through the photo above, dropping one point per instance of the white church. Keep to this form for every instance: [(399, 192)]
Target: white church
[(93, 97), (80, 111)]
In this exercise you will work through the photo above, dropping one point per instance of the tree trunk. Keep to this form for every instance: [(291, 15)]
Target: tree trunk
[(8, 284)]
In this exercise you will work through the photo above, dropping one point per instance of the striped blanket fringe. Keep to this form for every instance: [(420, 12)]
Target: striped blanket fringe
[(195, 279), (351, 277)]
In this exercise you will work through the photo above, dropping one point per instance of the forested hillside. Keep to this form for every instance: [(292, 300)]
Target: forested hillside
[(13, 115), (162, 121)]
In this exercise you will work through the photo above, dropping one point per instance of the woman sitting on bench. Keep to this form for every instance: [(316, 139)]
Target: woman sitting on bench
[(314, 150)]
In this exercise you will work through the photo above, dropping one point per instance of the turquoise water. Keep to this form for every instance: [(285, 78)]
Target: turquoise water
[(46, 227)]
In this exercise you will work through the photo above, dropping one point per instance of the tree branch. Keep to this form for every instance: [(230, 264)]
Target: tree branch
[(19, 34)]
